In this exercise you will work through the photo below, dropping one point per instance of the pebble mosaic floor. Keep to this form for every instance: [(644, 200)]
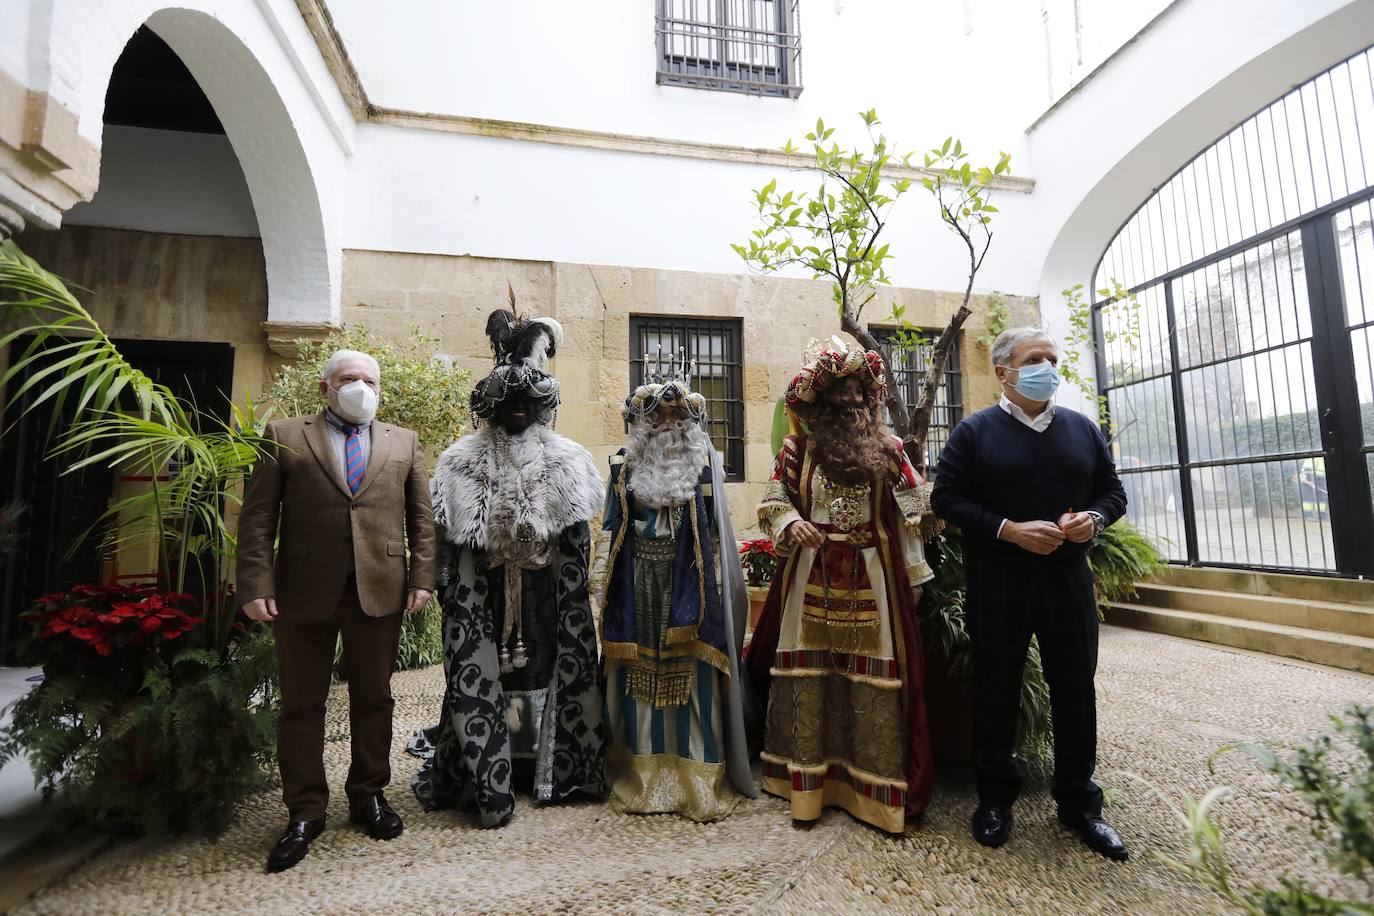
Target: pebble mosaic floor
[(1165, 705)]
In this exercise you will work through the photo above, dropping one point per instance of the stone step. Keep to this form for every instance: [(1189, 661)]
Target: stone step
[(1328, 616), (1338, 650), (24, 827), (1277, 585), (44, 860)]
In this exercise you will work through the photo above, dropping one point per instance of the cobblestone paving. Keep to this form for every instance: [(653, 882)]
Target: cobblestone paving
[(1165, 706)]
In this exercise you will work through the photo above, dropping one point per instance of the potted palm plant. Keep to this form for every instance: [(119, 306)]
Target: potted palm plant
[(157, 704)]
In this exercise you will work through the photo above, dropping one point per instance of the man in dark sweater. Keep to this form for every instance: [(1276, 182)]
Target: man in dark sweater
[(1030, 485)]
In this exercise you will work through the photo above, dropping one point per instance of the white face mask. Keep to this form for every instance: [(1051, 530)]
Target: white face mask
[(356, 402)]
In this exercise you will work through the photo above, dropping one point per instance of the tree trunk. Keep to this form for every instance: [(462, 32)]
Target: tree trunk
[(896, 407), (925, 398)]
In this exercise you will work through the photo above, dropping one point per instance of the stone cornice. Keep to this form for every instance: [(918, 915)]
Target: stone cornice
[(635, 143), (46, 164), (321, 24)]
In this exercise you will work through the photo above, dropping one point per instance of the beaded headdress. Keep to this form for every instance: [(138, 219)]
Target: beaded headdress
[(521, 348), (668, 382)]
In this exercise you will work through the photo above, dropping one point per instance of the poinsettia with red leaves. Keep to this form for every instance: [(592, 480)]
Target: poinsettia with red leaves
[(124, 626), (760, 560)]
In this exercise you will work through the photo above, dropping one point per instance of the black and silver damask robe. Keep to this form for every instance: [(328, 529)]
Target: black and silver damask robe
[(522, 705)]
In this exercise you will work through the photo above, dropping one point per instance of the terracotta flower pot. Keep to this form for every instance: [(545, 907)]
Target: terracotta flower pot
[(949, 708), (143, 762), (758, 594)]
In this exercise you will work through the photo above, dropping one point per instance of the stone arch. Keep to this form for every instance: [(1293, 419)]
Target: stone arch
[(302, 272)]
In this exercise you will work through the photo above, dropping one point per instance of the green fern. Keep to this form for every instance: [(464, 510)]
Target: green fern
[(179, 762), (1121, 556)]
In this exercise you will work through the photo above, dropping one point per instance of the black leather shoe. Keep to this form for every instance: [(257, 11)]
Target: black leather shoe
[(1097, 835), (294, 844), (992, 825), (378, 819)]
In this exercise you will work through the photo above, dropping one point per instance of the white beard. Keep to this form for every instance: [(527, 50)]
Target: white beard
[(665, 463)]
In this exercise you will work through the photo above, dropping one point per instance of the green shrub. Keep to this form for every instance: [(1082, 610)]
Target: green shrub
[(418, 391), (1334, 775), (1120, 557), (422, 642)]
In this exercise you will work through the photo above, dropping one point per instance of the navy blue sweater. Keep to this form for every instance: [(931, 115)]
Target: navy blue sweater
[(995, 467)]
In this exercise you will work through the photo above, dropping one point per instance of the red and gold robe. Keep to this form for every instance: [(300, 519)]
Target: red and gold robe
[(839, 645)]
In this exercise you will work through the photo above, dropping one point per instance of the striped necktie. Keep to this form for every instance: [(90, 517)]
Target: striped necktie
[(353, 452)]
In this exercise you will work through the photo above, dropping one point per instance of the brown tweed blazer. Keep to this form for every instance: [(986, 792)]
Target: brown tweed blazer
[(297, 499)]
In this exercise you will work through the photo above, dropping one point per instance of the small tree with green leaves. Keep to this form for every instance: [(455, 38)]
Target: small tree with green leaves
[(963, 196), (834, 232)]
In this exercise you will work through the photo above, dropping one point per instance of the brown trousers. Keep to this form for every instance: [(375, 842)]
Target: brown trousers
[(305, 663)]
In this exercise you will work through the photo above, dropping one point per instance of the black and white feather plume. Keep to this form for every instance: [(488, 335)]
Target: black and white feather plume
[(521, 348), (517, 340), (501, 331), (536, 343)]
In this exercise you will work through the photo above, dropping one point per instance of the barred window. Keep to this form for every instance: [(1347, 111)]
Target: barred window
[(907, 369), (713, 344), (750, 46)]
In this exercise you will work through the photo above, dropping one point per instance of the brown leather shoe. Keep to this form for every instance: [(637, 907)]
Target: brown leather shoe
[(378, 819), (294, 844)]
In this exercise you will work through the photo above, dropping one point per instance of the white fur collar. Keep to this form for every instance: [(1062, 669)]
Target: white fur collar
[(489, 483)]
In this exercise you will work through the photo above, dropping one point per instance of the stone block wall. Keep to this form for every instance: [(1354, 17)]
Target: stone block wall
[(160, 286), (450, 297)]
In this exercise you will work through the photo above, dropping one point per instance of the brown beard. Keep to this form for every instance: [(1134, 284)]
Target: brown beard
[(850, 442)]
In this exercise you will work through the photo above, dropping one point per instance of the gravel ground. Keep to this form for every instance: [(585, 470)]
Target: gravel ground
[(1165, 706)]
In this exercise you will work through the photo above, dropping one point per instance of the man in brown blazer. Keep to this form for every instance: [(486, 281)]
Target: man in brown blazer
[(322, 549)]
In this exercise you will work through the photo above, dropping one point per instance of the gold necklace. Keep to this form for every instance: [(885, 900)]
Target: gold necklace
[(845, 509)]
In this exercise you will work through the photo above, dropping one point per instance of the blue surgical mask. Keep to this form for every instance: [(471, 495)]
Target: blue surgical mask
[(1038, 381)]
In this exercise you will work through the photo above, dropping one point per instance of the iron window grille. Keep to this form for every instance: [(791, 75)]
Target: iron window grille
[(1242, 394), (907, 368), (713, 344), (749, 46)]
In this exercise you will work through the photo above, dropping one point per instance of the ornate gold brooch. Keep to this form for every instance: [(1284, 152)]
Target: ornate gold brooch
[(845, 502)]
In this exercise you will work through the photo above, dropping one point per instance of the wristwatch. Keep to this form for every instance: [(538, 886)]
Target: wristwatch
[(1099, 523)]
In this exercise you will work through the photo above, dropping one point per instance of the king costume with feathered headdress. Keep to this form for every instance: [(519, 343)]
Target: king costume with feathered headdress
[(674, 612), (512, 502)]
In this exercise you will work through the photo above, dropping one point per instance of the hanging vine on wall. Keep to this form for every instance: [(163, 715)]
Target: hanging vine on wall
[(1080, 344), (999, 318)]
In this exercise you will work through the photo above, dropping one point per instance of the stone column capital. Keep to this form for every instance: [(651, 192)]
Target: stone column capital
[(46, 166), (284, 337)]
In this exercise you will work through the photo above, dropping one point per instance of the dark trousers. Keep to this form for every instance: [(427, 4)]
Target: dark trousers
[(1007, 603), (305, 663)]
